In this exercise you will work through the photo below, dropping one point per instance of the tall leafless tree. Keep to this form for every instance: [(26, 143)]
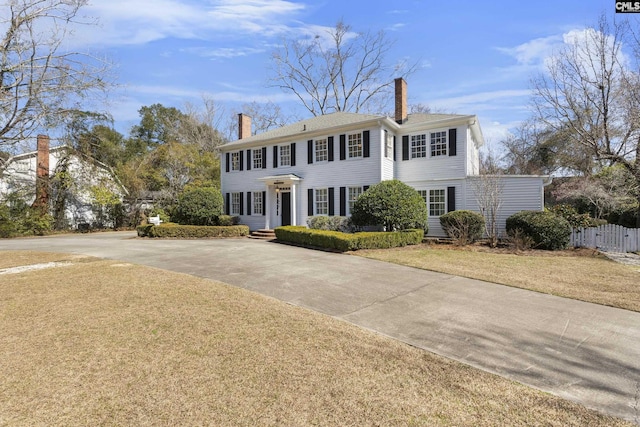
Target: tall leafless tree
[(592, 89), (40, 80), (337, 70)]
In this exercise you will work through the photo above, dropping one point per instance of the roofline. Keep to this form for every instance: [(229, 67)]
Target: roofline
[(470, 120)]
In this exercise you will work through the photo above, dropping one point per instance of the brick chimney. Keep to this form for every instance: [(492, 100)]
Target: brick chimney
[(401, 100), (42, 172), (244, 126)]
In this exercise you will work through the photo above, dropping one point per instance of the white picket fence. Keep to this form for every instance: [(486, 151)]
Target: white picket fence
[(607, 238)]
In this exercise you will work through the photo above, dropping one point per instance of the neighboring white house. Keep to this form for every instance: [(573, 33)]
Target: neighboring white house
[(321, 165), (19, 174)]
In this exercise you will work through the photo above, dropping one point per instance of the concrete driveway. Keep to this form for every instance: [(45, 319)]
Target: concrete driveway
[(583, 352)]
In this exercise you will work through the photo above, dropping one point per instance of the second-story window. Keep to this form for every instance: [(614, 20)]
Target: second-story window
[(321, 151), (355, 145), (285, 155), (438, 144), (388, 145), (418, 146), (235, 161), (257, 158)]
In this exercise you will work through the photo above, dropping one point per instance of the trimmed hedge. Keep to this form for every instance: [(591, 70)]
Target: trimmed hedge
[(191, 231), (546, 230), (348, 241), (331, 223), (463, 226)]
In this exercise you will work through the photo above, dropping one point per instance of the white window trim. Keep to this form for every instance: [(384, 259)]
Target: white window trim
[(349, 144), (388, 147), (444, 202), (316, 202), (443, 144), (326, 150), (349, 188), (253, 203), (418, 145), (280, 156), (254, 158), (232, 166), (232, 211)]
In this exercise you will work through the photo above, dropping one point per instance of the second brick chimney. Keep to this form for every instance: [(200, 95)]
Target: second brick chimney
[(244, 126), (401, 100)]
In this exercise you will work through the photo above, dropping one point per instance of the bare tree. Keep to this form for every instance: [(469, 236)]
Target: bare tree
[(199, 125), (489, 188), (590, 89), (41, 81), (337, 70)]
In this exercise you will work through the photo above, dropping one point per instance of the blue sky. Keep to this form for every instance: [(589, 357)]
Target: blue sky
[(476, 57)]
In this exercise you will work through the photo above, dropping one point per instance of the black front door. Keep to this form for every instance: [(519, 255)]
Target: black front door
[(286, 208)]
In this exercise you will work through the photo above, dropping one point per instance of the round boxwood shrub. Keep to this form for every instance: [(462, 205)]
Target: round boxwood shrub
[(463, 226), (392, 204), (545, 229), (199, 206)]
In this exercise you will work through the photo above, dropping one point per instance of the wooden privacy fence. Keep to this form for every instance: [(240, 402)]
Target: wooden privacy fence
[(608, 238)]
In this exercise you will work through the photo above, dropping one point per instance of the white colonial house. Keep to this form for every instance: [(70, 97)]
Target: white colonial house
[(20, 173), (321, 165)]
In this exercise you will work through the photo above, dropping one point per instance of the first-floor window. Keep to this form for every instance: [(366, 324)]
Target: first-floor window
[(437, 202), (257, 203), (235, 203), (322, 201), (354, 193), (424, 195)]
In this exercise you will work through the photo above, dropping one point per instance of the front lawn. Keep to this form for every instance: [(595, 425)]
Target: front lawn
[(109, 343), (579, 274)]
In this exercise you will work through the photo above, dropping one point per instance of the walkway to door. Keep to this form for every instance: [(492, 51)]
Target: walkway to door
[(580, 351)]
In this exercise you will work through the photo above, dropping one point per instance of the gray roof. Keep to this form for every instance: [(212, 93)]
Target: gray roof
[(334, 120)]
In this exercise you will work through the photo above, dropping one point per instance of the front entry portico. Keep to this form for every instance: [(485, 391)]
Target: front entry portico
[(281, 204)]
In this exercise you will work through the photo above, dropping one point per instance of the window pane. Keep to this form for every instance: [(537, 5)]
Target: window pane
[(322, 202), (285, 155), (355, 145), (436, 202), (322, 154), (257, 203), (257, 159), (354, 193), (235, 161), (438, 144), (418, 146), (235, 203)]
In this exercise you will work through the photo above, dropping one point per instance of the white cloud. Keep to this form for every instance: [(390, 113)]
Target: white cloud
[(132, 22), (224, 52), (534, 52), (483, 101)]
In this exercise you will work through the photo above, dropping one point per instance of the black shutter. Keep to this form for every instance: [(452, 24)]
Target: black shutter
[(241, 159), (275, 156), (310, 151), (264, 202), (227, 162), (310, 202), (365, 142), (227, 207), (394, 148), (331, 201), (365, 188), (330, 148), (451, 199), (452, 141), (405, 147), (264, 157), (241, 204), (249, 194), (293, 154), (343, 201), (343, 147), (248, 160)]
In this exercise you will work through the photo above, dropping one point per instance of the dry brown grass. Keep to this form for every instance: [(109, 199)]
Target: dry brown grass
[(106, 343), (579, 274)]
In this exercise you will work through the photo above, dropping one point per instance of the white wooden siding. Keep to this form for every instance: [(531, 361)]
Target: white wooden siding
[(440, 167), (435, 229), (473, 156), (519, 193)]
